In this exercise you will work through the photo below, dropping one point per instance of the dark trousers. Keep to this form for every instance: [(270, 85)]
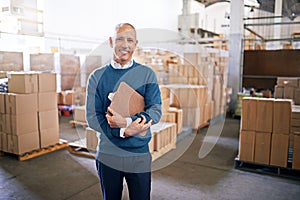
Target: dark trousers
[(113, 170)]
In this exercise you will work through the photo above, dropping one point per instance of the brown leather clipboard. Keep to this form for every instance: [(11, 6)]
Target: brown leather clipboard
[(126, 101)]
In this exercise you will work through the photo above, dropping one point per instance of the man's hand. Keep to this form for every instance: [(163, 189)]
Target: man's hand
[(115, 120), (138, 126)]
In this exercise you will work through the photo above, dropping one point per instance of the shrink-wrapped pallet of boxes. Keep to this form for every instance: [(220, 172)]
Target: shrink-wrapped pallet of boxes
[(11, 61), (66, 66), (295, 134), (288, 88), (265, 131)]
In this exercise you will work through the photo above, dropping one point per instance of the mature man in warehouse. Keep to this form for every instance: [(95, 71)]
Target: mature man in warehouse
[(123, 151)]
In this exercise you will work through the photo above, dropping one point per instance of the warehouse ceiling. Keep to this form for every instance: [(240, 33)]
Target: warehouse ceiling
[(290, 8)]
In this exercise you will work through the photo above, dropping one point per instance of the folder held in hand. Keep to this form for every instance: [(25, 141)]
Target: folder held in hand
[(126, 101)]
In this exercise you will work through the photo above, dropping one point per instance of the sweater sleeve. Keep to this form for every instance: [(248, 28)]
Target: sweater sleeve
[(96, 109), (152, 99)]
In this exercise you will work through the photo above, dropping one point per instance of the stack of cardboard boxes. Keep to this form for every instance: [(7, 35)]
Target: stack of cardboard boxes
[(163, 138), (29, 112), (295, 137), (288, 88), (192, 100), (79, 114), (265, 129), (170, 114), (211, 68), (164, 135), (208, 68), (67, 67)]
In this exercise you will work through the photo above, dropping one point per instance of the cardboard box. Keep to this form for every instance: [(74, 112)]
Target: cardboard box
[(296, 153), (295, 122), (21, 124), (1, 141), (91, 139), (262, 148), (22, 82), (67, 97), (282, 116), (2, 103), (4, 142), (291, 140), (2, 122), (287, 81), (208, 111), (11, 61), (48, 119), (3, 74), (43, 61), (20, 103), (246, 146), (188, 96), (20, 144), (193, 58), (164, 92), (297, 96), (60, 98), (151, 144), (79, 113), (279, 91), (46, 82), (179, 118), (289, 92), (191, 117), (164, 134), (49, 136), (47, 101), (264, 115), (79, 96), (168, 117), (295, 112), (249, 113), (279, 150), (295, 129), (165, 105)]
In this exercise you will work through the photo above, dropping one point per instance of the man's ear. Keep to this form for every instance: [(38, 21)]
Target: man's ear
[(111, 42)]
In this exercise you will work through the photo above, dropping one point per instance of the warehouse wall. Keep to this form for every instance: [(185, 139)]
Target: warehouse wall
[(97, 18), (261, 68)]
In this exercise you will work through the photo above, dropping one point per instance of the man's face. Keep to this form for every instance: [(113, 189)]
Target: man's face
[(124, 44)]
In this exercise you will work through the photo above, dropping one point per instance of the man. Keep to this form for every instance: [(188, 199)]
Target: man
[(123, 151)]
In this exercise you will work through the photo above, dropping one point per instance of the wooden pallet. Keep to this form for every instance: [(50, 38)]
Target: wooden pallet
[(204, 125), (78, 148), (162, 151), (287, 172), (35, 153), (75, 123)]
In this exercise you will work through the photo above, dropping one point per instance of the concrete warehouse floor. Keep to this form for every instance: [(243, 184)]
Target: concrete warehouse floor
[(61, 175)]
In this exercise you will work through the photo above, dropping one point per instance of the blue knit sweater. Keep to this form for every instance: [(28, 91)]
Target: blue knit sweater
[(106, 80)]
